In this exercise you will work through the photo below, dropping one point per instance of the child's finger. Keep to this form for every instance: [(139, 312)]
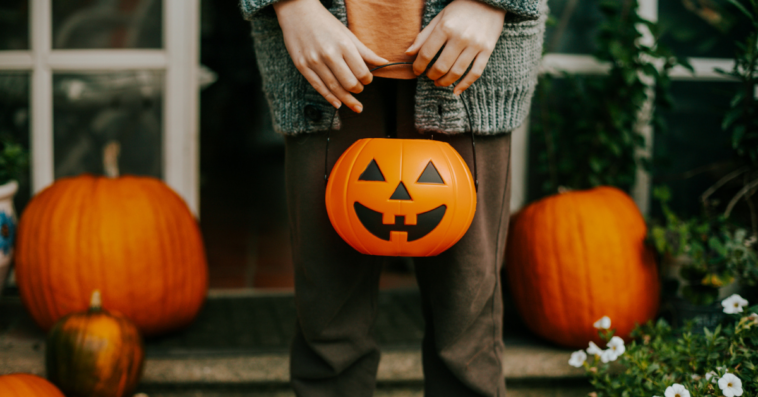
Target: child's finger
[(320, 87), (421, 37), (344, 75), (473, 75), (358, 66), (428, 50), (452, 51), (460, 66), (368, 56), (334, 86)]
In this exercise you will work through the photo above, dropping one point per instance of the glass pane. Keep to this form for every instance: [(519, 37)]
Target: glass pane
[(694, 153), (14, 25), (91, 110), (701, 28), (107, 24), (14, 123), (573, 27)]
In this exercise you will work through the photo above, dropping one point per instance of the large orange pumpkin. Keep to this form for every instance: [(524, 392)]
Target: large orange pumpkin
[(575, 257), (130, 236), (26, 385), (96, 353), (400, 197)]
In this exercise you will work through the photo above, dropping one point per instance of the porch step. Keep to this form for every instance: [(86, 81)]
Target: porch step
[(239, 346)]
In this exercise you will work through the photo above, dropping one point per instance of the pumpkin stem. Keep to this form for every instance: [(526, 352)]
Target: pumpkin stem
[(110, 159), (96, 302)]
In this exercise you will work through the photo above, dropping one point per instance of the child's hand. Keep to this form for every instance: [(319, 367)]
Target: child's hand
[(328, 54), (469, 31)]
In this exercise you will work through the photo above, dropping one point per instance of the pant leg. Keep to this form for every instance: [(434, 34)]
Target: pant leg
[(460, 288), (336, 288)]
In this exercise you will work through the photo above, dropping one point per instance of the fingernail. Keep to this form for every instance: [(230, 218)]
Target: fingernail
[(358, 108), (336, 104)]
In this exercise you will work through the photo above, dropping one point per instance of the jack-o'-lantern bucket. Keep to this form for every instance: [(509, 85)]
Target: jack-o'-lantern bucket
[(401, 197)]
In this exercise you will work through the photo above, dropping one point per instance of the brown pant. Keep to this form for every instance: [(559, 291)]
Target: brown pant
[(336, 287)]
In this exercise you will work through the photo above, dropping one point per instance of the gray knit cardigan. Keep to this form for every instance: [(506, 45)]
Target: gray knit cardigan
[(499, 101)]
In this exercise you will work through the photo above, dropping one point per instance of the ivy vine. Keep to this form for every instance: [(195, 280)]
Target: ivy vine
[(590, 135)]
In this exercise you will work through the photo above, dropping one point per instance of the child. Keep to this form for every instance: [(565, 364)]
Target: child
[(315, 57)]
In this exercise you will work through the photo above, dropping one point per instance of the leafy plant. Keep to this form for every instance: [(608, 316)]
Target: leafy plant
[(13, 160), (665, 361), (717, 252), (591, 136), (741, 121)]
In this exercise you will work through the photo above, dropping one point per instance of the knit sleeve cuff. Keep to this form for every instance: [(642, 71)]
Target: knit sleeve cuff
[(525, 9), (251, 7)]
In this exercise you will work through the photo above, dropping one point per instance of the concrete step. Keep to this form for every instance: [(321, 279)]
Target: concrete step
[(214, 358)]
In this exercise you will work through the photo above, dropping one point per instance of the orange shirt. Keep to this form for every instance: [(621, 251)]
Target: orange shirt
[(387, 27)]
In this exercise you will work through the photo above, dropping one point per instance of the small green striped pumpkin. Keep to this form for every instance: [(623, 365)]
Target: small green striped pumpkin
[(95, 353)]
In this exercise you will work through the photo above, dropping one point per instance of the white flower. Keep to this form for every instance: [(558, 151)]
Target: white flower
[(603, 323), (710, 375), (733, 304), (577, 358), (617, 346), (730, 385), (608, 355), (594, 350), (676, 390)]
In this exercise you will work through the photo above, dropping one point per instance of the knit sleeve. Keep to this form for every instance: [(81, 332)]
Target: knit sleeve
[(251, 7), (526, 9)]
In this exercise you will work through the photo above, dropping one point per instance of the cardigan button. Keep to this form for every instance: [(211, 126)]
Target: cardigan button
[(312, 113)]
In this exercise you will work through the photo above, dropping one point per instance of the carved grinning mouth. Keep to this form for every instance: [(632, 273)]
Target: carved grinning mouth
[(425, 222)]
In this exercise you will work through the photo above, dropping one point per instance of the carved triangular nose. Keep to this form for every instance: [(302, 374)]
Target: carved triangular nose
[(401, 193)]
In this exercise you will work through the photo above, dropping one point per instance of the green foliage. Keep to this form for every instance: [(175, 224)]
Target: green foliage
[(742, 118), (13, 160), (660, 356), (590, 134), (741, 121), (718, 252)]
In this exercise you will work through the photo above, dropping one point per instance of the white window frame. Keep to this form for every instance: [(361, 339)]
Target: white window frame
[(554, 63), (179, 60)]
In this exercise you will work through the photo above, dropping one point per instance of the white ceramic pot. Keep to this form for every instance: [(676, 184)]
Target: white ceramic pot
[(7, 228)]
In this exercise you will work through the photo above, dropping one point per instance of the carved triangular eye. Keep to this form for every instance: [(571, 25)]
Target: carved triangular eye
[(372, 173), (430, 175)]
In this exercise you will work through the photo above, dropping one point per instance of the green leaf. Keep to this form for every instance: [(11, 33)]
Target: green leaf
[(737, 98), (742, 9), (684, 62), (737, 134), (659, 238), (731, 116)]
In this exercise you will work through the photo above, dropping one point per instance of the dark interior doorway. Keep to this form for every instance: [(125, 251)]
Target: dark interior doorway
[(242, 203)]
